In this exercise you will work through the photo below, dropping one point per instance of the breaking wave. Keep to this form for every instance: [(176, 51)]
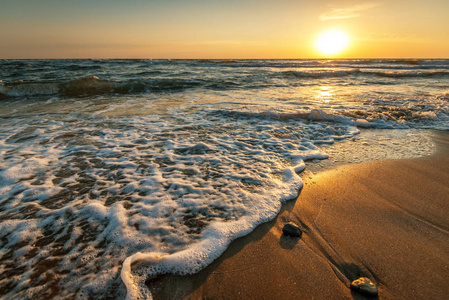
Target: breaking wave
[(92, 85)]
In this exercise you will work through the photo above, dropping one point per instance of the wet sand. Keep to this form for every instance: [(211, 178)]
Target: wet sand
[(386, 220)]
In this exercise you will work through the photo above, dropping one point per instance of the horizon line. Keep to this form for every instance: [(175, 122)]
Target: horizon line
[(146, 58)]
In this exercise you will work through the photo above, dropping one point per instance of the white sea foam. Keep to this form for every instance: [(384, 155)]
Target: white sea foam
[(168, 191), (173, 185)]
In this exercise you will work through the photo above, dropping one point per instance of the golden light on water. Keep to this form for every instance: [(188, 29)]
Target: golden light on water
[(332, 42), (325, 94)]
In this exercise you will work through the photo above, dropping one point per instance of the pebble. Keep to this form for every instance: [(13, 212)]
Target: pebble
[(364, 286), (291, 229)]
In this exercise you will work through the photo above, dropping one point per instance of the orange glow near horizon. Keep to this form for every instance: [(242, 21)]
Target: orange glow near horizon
[(224, 29)]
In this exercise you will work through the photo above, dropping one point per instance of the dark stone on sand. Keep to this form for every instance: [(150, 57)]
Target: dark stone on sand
[(291, 229), (364, 286)]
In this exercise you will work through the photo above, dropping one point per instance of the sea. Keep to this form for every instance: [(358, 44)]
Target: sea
[(116, 171)]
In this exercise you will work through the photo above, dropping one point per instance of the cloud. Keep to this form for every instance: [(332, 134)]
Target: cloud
[(348, 12)]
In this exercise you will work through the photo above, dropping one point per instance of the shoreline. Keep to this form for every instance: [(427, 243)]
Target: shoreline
[(386, 221)]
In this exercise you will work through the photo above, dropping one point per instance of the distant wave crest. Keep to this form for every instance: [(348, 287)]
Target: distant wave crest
[(358, 72)]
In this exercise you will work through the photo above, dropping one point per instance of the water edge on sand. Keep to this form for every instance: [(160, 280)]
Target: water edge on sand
[(387, 221)]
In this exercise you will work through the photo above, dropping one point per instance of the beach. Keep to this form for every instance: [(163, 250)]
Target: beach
[(224, 150), (171, 163), (385, 220)]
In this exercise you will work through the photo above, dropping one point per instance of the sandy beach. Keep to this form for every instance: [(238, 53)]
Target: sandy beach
[(387, 220)]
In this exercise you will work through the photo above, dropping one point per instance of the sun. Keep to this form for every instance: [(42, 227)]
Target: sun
[(332, 42)]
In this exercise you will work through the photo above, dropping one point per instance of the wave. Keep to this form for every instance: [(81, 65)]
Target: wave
[(358, 72), (363, 120), (92, 85), (400, 61), (68, 78), (321, 63), (411, 75), (384, 117), (79, 67)]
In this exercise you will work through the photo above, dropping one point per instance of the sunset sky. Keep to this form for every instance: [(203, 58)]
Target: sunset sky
[(221, 29)]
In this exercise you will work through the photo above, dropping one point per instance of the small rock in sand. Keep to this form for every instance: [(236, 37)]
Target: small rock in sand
[(364, 286), (291, 229)]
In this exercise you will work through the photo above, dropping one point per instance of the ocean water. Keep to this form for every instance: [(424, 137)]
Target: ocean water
[(113, 171)]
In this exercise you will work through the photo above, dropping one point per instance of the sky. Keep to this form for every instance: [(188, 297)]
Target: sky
[(221, 29)]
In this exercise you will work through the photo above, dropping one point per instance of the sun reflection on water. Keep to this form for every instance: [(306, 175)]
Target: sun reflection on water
[(325, 94)]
